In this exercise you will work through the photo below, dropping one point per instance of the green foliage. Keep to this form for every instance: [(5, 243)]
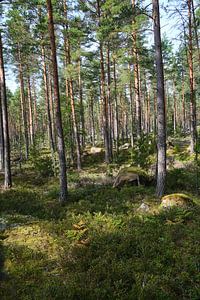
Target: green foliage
[(142, 149), (182, 179), (97, 246), (42, 163)]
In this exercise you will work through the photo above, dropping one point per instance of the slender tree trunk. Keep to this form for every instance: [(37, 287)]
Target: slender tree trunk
[(109, 100), (161, 135), (23, 105), (6, 141), (175, 108), (104, 99), (52, 108), (148, 112), (91, 117), (183, 105), (80, 89), (191, 76), (35, 115), (30, 106), (131, 106), (60, 137), (46, 87), (1, 138), (116, 106), (75, 125), (196, 32), (71, 91), (136, 76)]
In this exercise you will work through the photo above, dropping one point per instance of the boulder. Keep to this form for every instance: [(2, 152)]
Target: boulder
[(125, 178), (176, 200), (145, 179), (96, 150), (126, 146), (143, 208)]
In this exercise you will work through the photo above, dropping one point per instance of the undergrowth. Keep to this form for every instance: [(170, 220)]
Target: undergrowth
[(97, 246)]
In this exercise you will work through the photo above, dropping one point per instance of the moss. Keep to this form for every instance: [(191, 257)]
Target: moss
[(97, 246), (176, 200)]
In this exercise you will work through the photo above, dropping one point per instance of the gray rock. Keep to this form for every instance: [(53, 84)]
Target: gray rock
[(144, 207)]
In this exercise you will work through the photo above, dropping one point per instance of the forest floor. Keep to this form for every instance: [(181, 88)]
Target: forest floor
[(99, 245)]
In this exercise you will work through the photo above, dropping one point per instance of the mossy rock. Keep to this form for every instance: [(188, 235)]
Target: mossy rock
[(145, 179), (176, 200)]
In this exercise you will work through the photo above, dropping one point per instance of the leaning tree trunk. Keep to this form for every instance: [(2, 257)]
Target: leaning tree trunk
[(60, 137), (6, 141), (161, 120)]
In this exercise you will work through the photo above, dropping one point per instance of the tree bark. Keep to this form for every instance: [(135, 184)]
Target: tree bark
[(104, 99), (60, 137), (23, 106), (71, 91), (6, 141), (30, 106), (109, 100), (191, 76), (175, 108), (1, 138), (46, 87), (161, 120), (116, 107), (136, 76)]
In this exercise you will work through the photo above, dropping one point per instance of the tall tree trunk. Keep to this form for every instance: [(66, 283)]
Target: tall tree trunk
[(109, 100), (116, 107), (131, 106), (183, 104), (30, 106), (46, 87), (104, 99), (75, 125), (23, 104), (91, 117), (175, 108), (1, 138), (191, 76), (80, 89), (60, 137), (196, 32), (161, 120), (35, 114), (52, 108), (71, 90), (6, 141), (136, 75)]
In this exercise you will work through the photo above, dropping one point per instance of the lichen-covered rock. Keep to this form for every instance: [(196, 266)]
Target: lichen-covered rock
[(123, 179), (96, 150), (132, 174), (144, 208), (126, 146), (176, 200)]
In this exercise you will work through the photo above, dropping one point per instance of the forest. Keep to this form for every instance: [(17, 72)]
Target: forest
[(99, 149)]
